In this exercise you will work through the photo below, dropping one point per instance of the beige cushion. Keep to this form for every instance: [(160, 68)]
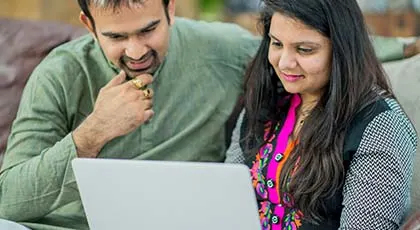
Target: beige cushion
[(405, 80)]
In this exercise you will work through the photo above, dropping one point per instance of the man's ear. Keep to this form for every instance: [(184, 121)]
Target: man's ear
[(87, 23), (171, 11)]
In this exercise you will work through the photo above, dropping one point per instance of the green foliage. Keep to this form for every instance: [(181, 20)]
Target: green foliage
[(211, 9), (210, 5)]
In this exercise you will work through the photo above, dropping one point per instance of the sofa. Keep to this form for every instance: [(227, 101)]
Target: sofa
[(405, 80), (24, 44)]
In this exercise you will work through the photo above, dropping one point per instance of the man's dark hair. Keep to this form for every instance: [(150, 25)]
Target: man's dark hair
[(113, 4)]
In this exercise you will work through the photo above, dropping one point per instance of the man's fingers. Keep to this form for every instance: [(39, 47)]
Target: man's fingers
[(117, 80), (148, 104), (148, 114), (140, 82), (147, 93)]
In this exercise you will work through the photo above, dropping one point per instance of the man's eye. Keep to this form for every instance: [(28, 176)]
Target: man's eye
[(148, 30), (116, 37)]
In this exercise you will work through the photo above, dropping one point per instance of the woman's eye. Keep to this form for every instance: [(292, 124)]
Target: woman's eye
[(305, 50), (277, 44)]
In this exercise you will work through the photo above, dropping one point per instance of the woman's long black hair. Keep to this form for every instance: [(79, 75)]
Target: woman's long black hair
[(355, 78)]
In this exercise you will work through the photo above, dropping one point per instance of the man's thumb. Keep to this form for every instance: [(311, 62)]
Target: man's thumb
[(117, 80)]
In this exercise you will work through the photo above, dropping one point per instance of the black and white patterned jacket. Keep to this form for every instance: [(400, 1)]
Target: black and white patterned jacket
[(379, 152)]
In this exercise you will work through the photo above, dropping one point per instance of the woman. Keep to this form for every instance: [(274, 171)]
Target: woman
[(328, 145)]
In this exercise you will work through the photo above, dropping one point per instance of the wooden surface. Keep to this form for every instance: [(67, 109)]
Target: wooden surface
[(52, 10), (68, 10), (188, 8), (394, 23)]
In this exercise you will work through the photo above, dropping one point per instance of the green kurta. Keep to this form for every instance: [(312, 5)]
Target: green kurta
[(195, 91)]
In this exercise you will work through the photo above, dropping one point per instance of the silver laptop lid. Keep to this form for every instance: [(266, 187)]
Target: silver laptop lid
[(159, 195)]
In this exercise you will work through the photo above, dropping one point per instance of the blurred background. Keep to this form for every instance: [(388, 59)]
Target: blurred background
[(384, 17)]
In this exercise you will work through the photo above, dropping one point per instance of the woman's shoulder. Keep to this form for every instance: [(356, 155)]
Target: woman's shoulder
[(383, 121), (379, 112)]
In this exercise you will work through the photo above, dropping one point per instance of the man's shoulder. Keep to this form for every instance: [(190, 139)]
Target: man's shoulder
[(216, 42), (69, 61), (209, 28), (73, 56), (219, 34), (76, 48)]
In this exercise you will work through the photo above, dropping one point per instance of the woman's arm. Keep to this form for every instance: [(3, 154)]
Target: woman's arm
[(377, 187), (234, 154)]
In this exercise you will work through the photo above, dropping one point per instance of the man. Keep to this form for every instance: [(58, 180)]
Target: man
[(81, 101), (144, 85)]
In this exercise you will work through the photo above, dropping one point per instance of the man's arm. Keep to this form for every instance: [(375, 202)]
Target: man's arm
[(36, 177), (392, 48)]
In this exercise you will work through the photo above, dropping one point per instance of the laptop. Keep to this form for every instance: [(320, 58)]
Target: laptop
[(161, 195)]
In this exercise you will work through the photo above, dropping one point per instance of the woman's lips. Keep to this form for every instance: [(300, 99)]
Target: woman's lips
[(292, 77)]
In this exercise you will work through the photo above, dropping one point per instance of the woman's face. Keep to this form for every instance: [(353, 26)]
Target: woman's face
[(300, 56)]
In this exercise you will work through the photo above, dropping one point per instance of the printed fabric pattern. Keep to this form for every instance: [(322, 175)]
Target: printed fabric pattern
[(276, 214)]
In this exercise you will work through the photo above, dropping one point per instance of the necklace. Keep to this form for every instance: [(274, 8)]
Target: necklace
[(300, 120), (302, 113)]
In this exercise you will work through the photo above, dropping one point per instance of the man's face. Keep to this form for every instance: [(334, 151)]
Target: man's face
[(134, 38)]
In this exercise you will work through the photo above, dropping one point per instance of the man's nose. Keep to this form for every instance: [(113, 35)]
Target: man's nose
[(135, 49)]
